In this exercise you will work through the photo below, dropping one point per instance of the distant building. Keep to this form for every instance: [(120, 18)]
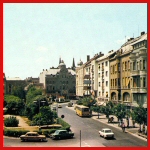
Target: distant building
[(12, 83), (59, 81)]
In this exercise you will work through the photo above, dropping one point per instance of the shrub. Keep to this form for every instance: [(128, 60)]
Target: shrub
[(14, 133), (11, 122)]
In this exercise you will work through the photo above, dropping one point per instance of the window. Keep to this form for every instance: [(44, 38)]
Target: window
[(123, 82), (125, 65), (106, 63), (99, 93), (144, 65), (99, 75), (128, 64), (118, 67), (115, 82), (133, 65), (106, 73), (99, 84), (111, 82), (106, 83), (111, 69), (144, 82)]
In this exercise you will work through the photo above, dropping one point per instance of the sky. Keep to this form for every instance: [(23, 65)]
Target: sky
[(36, 35)]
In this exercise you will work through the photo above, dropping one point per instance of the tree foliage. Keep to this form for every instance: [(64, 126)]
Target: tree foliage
[(44, 117), (19, 92), (11, 122), (14, 104), (120, 111), (139, 115), (86, 101), (32, 93)]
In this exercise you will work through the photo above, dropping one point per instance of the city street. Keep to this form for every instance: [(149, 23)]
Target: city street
[(86, 135)]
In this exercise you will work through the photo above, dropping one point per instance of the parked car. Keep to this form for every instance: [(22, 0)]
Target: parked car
[(59, 106), (62, 134), (106, 133), (33, 136), (70, 104)]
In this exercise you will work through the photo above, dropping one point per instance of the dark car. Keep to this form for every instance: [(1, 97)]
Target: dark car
[(62, 134)]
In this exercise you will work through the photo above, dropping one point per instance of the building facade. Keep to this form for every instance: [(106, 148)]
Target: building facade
[(59, 81), (125, 68), (138, 65), (103, 94)]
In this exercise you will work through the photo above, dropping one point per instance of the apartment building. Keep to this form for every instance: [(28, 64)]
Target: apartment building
[(102, 72), (138, 63), (125, 79), (86, 77)]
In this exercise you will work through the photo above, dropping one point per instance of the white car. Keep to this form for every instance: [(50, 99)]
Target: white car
[(106, 133)]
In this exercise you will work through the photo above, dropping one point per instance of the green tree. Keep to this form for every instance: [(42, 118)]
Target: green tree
[(97, 109), (44, 117), (14, 104), (139, 114), (119, 111), (32, 93), (19, 92)]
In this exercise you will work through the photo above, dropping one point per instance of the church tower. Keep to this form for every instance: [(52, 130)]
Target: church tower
[(59, 60)]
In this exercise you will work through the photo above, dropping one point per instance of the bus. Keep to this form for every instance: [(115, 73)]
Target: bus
[(82, 111)]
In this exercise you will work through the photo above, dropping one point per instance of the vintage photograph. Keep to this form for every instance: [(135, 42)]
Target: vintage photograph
[(75, 74)]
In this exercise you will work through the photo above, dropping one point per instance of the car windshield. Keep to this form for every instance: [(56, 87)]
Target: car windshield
[(107, 131), (56, 131)]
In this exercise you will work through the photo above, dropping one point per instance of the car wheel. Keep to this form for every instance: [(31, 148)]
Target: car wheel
[(59, 138)]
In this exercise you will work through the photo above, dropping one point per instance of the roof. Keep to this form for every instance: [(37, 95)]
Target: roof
[(106, 56), (13, 78), (57, 70), (142, 38)]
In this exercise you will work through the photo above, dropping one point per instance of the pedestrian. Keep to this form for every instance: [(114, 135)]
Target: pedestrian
[(123, 127)]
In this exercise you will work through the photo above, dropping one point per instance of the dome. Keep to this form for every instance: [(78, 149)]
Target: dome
[(80, 63), (62, 65)]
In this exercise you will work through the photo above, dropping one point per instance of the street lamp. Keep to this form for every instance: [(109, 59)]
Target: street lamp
[(39, 107)]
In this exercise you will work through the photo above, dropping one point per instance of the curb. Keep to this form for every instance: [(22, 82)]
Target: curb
[(134, 134)]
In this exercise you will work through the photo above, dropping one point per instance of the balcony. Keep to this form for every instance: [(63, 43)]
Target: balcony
[(143, 90), (134, 73), (143, 52), (143, 72), (87, 88), (135, 90)]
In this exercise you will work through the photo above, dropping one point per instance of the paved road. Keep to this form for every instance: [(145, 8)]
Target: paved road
[(89, 135)]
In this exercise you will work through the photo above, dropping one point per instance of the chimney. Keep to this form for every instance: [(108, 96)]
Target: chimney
[(88, 57), (142, 33)]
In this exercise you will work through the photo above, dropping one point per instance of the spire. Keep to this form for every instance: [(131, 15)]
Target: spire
[(59, 60), (73, 63)]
